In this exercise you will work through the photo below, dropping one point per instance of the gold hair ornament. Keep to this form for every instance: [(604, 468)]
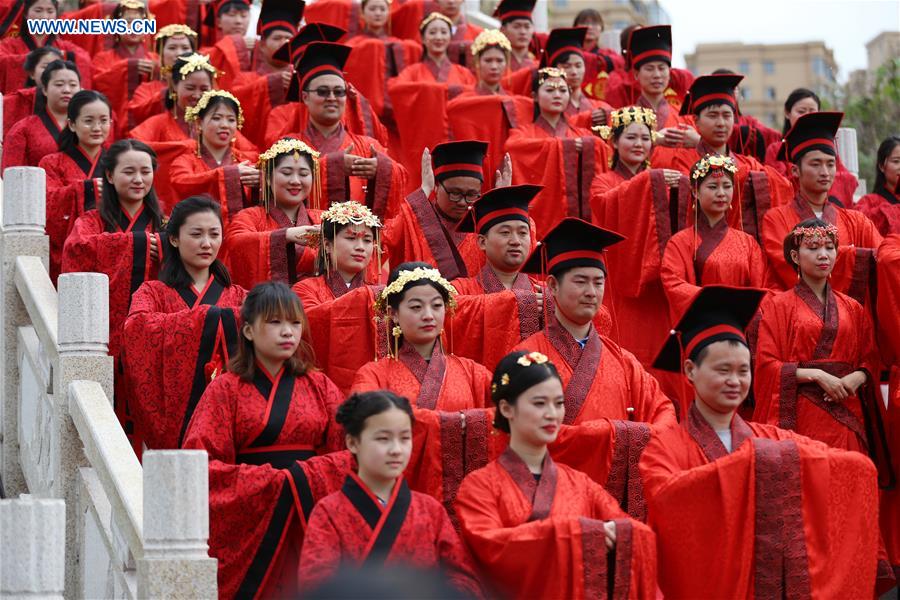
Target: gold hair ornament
[(488, 39), (173, 30), (266, 165), (197, 62), (435, 16), (193, 112), (133, 5), (550, 73), (417, 274), (815, 235), (532, 358), (712, 162), (350, 213)]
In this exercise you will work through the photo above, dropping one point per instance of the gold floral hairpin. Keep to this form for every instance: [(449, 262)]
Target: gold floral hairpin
[(624, 117), (417, 274), (712, 162), (815, 235), (193, 112), (550, 73), (350, 213), (489, 38), (196, 62), (532, 358), (431, 18), (287, 146), (173, 30)]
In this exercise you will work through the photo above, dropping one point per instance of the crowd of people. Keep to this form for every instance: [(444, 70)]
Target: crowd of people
[(551, 319)]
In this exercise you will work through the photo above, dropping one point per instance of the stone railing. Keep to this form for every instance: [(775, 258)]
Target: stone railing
[(118, 538)]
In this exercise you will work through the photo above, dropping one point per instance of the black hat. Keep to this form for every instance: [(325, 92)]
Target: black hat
[(280, 14), (563, 41), (812, 131), (311, 32), (219, 6), (717, 313), (510, 10), (710, 90), (459, 159), (572, 243), (647, 44), (322, 58), (498, 205)]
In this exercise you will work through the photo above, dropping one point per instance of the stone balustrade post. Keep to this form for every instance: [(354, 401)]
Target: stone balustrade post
[(848, 151), (32, 548), (83, 335), (176, 563), (21, 234)]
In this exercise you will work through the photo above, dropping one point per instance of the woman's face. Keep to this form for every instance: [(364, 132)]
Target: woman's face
[(800, 108), (553, 96), (42, 64), (62, 86), (436, 37), (634, 144), (891, 168), (42, 9), (219, 126), (653, 77), (375, 14), (275, 339), (199, 240), (132, 15), (173, 47), (352, 248), (420, 314), (491, 66), (714, 195), (132, 177), (538, 413), (574, 68), (816, 258), (192, 87), (91, 127), (384, 446), (292, 180)]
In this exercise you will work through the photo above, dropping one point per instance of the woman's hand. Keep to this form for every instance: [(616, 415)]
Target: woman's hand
[(249, 175), (145, 67), (672, 177), (153, 240), (579, 144), (503, 175), (853, 381), (428, 174), (302, 234), (610, 529), (832, 386), (598, 117)]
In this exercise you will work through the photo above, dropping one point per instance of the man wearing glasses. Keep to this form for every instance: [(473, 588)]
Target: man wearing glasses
[(425, 228)]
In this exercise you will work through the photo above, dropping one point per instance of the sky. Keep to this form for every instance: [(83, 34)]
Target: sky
[(844, 25)]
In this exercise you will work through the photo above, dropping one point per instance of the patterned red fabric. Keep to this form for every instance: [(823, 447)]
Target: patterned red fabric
[(374, 61), (622, 89), (148, 100), (12, 56), (883, 209), (117, 77), (17, 106), (833, 491), (30, 140), (844, 185)]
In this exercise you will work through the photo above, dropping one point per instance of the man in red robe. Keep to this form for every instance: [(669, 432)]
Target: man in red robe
[(601, 380), (744, 509), (810, 147), (517, 25), (228, 21)]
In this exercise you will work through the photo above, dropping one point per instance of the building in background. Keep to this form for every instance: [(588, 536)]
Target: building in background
[(617, 14), (771, 72), (880, 50)]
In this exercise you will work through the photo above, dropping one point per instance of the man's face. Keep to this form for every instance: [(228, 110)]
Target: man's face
[(506, 245)]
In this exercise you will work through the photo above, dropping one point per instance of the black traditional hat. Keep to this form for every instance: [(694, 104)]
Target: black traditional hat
[(498, 205), (647, 44), (318, 58), (812, 131), (709, 90), (572, 243), (564, 41), (510, 10), (311, 32), (280, 14), (459, 159)]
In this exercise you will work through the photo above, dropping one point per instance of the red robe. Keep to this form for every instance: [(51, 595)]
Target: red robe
[(882, 208), (30, 140), (857, 237), (314, 291), (751, 138), (843, 188), (792, 518), (797, 331), (427, 71), (420, 233), (373, 62), (608, 180), (546, 539), (112, 68), (13, 51), (622, 89), (148, 100), (231, 56), (255, 249), (601, 380), (406, 17), (352, 527), (70, 193), (262, 437), (175, 342), (258, 95), (17, 106)]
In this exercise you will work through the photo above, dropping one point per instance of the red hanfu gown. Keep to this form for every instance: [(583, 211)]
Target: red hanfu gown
[(352, 527), (844, 185), (751, 138), (546, 539), (781, 516), (611, 179), (406, 17), (263, 437), (149, 99), (13, 51), (314, 291), (17, 106), (623, 89), (373, 62), (175, 342), (883, 209), (114, 67), (30, 140)]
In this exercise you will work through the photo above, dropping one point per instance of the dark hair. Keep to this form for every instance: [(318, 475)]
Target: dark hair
[(588, 14), (624, 37), (353, 412), (215, 101), (58, 65), (617, 133), (172, 271), (267, 299), (330, 231), (110, 209), (394, 299), (511, 378), (792, 99), (701, 355), (177, 76), (120, 9), (32, 60), (67, 138), (884, 150), (29, 4), (723, 71), (536, 84), (791, 243), (226, 6)]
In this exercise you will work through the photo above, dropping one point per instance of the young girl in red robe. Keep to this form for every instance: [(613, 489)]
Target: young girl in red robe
[(375, 519), (415, 303), (29, 99), (263, 423), (211, 164), (121, 239), (272, 241), (630, 135), (36, 136), (349, 254), (817, 363), (435, 66), (182, 328), (538, 529), (882, 206), (74, 177)]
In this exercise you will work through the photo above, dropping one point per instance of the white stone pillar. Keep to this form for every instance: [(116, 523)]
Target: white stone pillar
[(83, 334), (848, 151), (32, 548), (176, 527), (541, 16), (21, 234)]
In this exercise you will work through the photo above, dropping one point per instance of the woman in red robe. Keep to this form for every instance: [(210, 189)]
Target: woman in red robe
[(211, 164), (630, 135), (121, 239), (414, 305), (74, 176), (542, 529), (181, 329), (29, 99), (375, 520), (263, 423), (272, 241), (435, 66), (349, 254), (817, 363), (882, 206), (36, 136), (744, 510), (550, 151)]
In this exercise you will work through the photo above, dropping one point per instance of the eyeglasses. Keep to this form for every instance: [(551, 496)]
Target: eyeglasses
[(456, 196), (324, 92)]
